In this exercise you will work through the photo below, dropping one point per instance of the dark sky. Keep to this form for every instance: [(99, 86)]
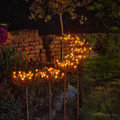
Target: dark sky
[(16, 12)]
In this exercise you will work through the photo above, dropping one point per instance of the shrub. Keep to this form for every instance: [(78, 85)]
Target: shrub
[(104, 44), (10, 59), (9, 105), (101, 75), (107, 45)]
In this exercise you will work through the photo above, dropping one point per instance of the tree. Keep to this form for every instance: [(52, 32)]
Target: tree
[(109, 12), (48, 8)]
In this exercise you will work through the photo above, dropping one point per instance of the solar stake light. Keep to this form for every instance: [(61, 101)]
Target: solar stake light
[(70, 64), (50, 74), (66, 66), (24, 79), (78, 51)]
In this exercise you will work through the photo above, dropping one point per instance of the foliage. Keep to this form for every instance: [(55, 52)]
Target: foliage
[(91, 38), (108, 45), (101, 68), (104, 44), (39, 10), (102, 89), (3, 35), (11, 58), (9, 106), (47, 9), (109, 12)]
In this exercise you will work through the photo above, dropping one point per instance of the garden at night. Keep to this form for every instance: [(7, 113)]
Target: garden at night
[(60, 60)]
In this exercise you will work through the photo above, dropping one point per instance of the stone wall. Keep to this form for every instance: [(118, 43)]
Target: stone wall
[(35, 47)]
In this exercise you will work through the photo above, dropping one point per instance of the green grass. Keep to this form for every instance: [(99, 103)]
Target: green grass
[(102, 89)]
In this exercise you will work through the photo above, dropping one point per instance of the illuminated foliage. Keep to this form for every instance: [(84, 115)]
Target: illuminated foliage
[(109, 12), (48, 8)]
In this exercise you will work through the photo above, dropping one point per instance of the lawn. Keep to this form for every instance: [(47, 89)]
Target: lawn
[(102, 89)]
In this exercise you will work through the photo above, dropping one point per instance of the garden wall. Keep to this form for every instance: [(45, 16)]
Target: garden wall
[(43, 48)]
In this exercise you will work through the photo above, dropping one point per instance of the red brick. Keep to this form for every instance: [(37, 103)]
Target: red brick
[(57, 49), (26, 52), (28, 40), (9, 35), (15, 33), (57, 38), (57, 42), (41, 41), (25, 48), (44, 58), (23, 44), (58, 46), (42, 54), (34, 58), (33, 34), (34, 43), (52, 46), (52, 50), (66, 49), (29, 48), (39, 47), (66, 42), (34, 51), (57, 53), (18, 41), (37, 55), (53, 54), (43, 61), (43, 50), (31, 56), (64, 45), (9, 42)]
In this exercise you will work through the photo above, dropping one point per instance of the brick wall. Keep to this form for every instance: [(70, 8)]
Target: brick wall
[(35, 47)]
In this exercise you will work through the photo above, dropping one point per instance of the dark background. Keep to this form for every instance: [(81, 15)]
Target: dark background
[(15, 13)]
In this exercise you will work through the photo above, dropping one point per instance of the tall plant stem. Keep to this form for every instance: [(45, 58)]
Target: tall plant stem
[(49, 99), (27, 103), (64, 96), (77, 97), (61, 24), (89, 54), (82, 83)]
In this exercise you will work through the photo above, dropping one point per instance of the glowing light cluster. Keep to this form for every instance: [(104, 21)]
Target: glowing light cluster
[(77, 53), (75, 58), (70, 64), (51, 74), (67, 65), (22, 78), (77, 46)]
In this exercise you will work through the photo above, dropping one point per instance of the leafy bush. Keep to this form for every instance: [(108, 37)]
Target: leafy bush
[(102, 80), (104, 44), (109, 13), (108, 45), (10, 59), (9, 105)]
